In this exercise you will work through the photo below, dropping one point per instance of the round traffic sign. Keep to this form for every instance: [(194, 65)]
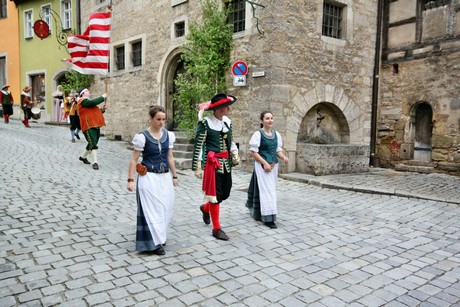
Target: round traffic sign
[(239, 68)]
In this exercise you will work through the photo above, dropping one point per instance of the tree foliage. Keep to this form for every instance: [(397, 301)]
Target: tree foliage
[(76, 81), (206, 58)]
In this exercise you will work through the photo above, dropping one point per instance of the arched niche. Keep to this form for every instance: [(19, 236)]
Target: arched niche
[(324, 123)]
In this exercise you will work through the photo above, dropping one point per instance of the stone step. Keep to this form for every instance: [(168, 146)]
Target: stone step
[(182, 163), (183, 154), (183, 147), (414, 168)]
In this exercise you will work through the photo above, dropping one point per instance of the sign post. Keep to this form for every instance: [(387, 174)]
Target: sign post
[(239, 71)]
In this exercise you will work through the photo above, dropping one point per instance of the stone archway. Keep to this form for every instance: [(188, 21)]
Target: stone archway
[(422, 121), (338, 145), (172, 66)]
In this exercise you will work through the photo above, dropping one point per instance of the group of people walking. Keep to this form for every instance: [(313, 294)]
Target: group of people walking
[(214, 155)]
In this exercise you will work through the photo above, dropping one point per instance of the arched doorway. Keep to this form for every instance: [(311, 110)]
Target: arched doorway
[(175, 67), (423, 123), (58, 97)]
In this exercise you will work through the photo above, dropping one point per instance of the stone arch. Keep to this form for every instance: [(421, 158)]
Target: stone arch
[(169, 68), (324, 123), (57, 79), (420, 128), (303, 100), (346, 149)]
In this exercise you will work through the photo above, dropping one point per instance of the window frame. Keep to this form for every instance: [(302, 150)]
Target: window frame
[(3, 69), (120, 59), (136, 54), (239, 25), (4, 9), (334, 23), (28, 24), (66, 14), (50, 17)]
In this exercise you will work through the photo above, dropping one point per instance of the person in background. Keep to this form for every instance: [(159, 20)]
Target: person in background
[(265, 146), (155, 182), (26, 105), (6, 98), (73, 115), (213, 141), (91, 121)]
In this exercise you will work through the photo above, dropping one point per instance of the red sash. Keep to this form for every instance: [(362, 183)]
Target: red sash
[(209, 175)]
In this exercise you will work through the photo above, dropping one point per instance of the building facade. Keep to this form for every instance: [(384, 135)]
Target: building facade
[(9, 48), (310, 63), (419, 101), (41, 57)]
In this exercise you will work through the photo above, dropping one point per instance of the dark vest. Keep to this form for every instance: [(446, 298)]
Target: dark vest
[(268, 145), (155, 157), (6, 98)]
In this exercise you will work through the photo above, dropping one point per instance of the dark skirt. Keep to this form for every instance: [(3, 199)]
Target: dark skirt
[(7, 109), (253, 202), (144, 240)]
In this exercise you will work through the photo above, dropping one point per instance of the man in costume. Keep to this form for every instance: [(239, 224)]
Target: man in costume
[(26, 105), (217, 153), (91, 121), (6, 98)]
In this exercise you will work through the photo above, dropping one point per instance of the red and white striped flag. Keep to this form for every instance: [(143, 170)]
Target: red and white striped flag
[(90, 51)]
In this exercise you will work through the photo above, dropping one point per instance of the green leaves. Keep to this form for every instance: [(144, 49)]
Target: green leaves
[(206, 58), (76, 81)]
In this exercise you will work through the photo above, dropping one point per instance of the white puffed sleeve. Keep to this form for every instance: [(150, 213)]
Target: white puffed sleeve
[(139, 142), (254, 142), (280, 142), (172, 139)]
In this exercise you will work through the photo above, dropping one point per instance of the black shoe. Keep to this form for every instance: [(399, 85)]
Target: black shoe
[(219, 234), (95, 166), (272, 225), (159, 251), (84, 160), (206, 216), (77, 136)]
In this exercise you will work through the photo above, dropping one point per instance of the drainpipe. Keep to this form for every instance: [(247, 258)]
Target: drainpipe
[(375, 86), (78, 17)]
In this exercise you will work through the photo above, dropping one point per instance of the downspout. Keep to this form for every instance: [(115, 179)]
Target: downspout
[(78, 17), (375, 86)]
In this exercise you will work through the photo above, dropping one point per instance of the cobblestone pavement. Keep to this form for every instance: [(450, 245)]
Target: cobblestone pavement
[(67, 237)]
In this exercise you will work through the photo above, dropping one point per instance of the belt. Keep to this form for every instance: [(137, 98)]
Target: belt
[(158, 171)]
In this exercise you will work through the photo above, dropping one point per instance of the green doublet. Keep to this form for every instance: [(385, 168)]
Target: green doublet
[(206, 140)]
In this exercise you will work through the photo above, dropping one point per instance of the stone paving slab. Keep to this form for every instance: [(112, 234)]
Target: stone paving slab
[(67, 237)]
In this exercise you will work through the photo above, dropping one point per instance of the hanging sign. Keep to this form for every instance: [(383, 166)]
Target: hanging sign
[(41, 29)]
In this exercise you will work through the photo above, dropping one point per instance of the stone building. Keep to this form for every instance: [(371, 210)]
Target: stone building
[(419, 103), (310, 62)]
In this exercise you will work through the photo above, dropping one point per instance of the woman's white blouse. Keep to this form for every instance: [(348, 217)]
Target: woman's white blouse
[(254, 142), (139, 140)]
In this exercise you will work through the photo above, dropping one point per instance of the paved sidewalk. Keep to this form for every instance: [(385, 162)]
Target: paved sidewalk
[(67, 235), (437, 187)]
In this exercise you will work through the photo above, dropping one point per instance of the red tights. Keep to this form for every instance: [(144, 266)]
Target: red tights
[(214, 210)]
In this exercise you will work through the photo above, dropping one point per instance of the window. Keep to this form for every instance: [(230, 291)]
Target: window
[(28, 24), (237, 15), (120, 60), (332, 20), (3, 70), (179, 29), (137, 53), (46, 15), (3, 8), (66, 14)]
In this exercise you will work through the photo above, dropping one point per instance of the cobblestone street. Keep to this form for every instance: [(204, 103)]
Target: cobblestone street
[(68, 236)]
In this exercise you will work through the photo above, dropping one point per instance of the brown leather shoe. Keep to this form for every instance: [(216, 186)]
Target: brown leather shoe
[(206, 216), (84, 160), (219, 234)]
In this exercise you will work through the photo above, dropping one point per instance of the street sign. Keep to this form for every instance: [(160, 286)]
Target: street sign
[(239, 68), (239, 81)]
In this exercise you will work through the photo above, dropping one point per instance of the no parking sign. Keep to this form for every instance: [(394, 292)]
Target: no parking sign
[(239, 71)]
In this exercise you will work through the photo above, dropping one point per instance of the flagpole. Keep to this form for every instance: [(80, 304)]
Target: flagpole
[(107, 74)]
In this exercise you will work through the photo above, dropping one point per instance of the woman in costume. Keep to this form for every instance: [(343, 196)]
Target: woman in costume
[(155, 183), (265, 146)]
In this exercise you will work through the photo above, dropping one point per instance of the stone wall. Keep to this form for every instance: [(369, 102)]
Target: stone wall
[(300, 67)]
